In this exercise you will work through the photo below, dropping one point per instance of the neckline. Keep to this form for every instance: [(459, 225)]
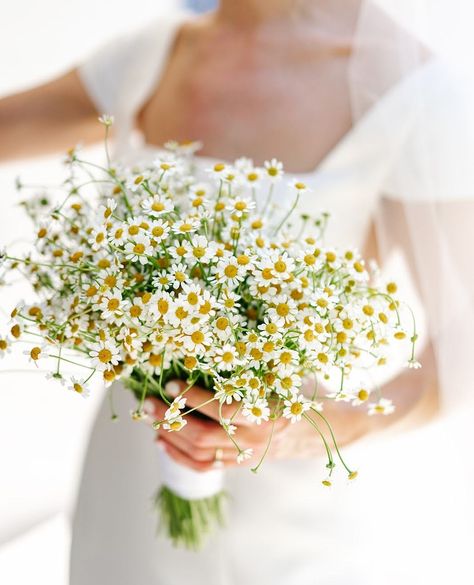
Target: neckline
[(180, 18)]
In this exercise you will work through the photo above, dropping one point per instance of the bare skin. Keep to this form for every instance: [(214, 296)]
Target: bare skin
[(273, 74)]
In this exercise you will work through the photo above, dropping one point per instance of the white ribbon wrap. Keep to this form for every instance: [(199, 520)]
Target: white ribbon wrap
[(187, 483)]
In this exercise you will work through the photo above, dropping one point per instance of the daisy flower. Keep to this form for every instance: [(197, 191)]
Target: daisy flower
[(104, 354), (244, 455), (383, 406), (226, 392), (226, 358), (159, 230), (139, 249), (157, 205), (274, 169), (299, 187), (256, 411), (174, 424), (77, 386), (296, 407)]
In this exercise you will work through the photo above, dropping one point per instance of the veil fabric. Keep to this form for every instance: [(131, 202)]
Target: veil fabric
[(427, 204)]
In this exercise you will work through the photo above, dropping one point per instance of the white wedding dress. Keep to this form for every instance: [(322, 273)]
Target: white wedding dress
[(284, 528)]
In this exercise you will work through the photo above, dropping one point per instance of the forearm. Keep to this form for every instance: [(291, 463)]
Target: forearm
[(47, 119), (413, 392)]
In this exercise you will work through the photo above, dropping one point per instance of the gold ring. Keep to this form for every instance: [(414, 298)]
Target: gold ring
[(219, 455)]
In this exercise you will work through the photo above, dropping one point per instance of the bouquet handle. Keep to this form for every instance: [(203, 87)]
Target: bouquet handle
[(190, 503)]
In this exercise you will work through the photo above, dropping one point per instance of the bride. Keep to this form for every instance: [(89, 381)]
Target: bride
[(336, 90)]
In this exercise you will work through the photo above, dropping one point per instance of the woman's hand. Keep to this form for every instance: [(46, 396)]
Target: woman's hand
[(197, 443)]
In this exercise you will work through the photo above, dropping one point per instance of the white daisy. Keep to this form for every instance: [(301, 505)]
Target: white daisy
[(256, 411), (295, 407), (383, 406), (139, 249)]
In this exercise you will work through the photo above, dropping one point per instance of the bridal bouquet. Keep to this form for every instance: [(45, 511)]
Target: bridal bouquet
[(161, 272)]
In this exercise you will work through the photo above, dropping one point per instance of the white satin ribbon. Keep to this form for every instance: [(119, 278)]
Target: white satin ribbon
[(187, 483)]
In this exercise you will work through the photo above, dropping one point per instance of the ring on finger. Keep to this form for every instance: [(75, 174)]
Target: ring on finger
[(218, 457)]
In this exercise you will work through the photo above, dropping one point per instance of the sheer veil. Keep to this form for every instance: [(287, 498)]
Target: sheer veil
[(427, 204)]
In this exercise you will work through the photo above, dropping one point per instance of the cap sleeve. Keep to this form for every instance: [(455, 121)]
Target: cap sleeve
[(119, 76)]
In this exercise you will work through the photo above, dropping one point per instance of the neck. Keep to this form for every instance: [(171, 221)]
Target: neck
[(257, 12)]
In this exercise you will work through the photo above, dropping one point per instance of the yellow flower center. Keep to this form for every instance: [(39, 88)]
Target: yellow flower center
[(135, 311), (197, 337), (158, 231), (296, 408), (110, 280), (35, 353), (157, 206), (199, 252), (280, 266), (205, 308), (230, 271), (282, 309), (222, 323), (105, 355), (154, 360), (181, 313), (113, 304)]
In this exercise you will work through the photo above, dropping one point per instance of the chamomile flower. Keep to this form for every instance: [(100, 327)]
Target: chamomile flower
[(229, 272), (199, 249), (295, 407), (5, 346), (78, 387), (187, 225), (274, 169), (240, 206), (159, 230), (244, 455), (383, 406), (104, 354), (299, 187), (174, 424), (157, 205), (107, 210), (256, 411), (117, 235), (139, 249), (228, 427), (196, 340), (227, 392), (226, 358)]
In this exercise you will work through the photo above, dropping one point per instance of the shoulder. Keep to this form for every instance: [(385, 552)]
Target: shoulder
[(128, 63)]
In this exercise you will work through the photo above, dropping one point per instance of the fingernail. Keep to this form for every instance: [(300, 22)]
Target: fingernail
[(172, 388), (148, 407)]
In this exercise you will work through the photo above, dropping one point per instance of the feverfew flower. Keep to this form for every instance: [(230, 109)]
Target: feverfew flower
[(256, 411), (296, 407), (383, 406)]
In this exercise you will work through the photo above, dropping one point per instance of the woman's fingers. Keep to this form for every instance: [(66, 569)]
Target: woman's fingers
[(203, 401), (202, 432), (202, 454), (227, 459)]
